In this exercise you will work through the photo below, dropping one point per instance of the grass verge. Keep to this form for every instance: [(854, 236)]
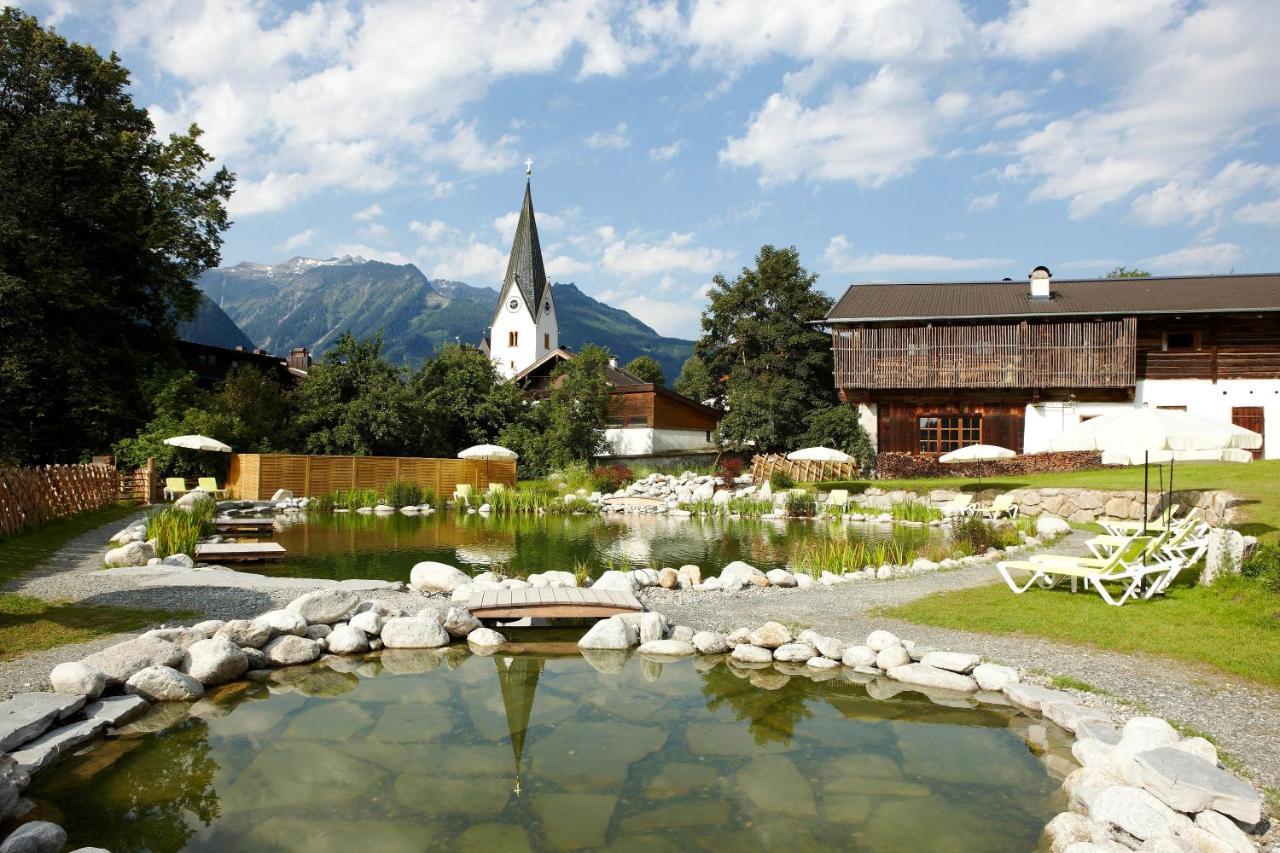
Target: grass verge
[(1233, 626), (22, 552), (31, 624)]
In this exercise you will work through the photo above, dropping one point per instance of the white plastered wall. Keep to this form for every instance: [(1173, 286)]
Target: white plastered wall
[(511, 360), (640, 441)]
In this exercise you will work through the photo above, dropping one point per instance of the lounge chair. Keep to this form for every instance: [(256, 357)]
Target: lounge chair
[(838, 498), (210, 485), (1002, 507), (175, 487), (1124, 567), (1190, 525), (1125, 527), (959, 505), (463, 492)]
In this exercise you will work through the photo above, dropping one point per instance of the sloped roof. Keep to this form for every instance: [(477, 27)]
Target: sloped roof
[(524, 267), (1094, 296)]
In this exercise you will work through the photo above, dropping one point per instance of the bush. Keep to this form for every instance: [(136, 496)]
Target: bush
[(177, 529), (972, 535), (610, 478), (800, 505), (400, 493), (1263, 565), (780, 481), (839, 427), (730, 467)]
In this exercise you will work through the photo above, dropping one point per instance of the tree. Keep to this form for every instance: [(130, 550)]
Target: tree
[(763, 356), (103, 228), (1126, 272), (647, 368), (568, 425), (840, 428), (468, 401), (694, 380)]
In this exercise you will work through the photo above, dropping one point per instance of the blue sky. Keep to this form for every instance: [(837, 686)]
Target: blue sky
[(889, 140)]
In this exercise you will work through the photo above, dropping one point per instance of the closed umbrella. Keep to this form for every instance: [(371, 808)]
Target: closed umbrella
[(977, 453), (197, 442)]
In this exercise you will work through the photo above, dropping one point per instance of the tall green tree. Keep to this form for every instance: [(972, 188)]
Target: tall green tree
[(647, 368), (103, 229), (568, 425), (694, 380), (467, 401), (840, 428), (765, 359), (1126, 272)]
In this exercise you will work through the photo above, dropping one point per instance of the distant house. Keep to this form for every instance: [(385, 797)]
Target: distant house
[(212, 364), (936, 366)]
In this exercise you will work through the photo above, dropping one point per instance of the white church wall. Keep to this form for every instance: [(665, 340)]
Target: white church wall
[(509, 359)]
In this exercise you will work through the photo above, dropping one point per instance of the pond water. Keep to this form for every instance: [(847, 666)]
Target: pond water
[(442, 750), (351, 545)]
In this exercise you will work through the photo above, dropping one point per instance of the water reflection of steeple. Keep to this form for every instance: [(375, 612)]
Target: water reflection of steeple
[(518, 680)]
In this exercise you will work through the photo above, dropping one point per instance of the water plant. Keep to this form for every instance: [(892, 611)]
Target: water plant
[(176, 529), (400, 493), (914, 510), (800, 505), (749, 506), (581, 572), (354, 498), (577, 503), (972, 535), (781, 481), (843, 556)]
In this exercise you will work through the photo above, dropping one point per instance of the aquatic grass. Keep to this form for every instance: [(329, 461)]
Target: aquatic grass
[(799, 505), (399, 493), (749, 506), (841, 557), (176, 530), (576, 503), (354, 498), (698, 507), (321, 503), (914, 510), (972, 535), (581, 572)]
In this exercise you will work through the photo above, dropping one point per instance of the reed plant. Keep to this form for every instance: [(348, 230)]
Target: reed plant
[(576, 503), (322, 503), (843, 556), (698, 507), (354, 498), (749, 506), (176, 530), (581, 572), (972, 535), (800, 505), (914, 510), (400, 493)]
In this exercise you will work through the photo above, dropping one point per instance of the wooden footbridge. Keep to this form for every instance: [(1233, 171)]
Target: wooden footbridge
[(238, 552), (546, 602), (253, 526)]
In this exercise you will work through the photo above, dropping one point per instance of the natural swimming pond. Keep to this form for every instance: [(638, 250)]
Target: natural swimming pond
[(352, 545), (443, 750)]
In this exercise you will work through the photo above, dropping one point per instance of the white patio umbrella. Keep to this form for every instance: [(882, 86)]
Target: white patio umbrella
[(977, 453), (197, 442), (488, 452), (1145, 430), (819, 454)]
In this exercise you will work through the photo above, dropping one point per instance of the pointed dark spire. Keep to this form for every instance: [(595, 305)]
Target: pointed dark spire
[(525, 266)]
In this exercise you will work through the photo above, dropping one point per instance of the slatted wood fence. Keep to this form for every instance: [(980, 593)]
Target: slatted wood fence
[(764, 467), (257, 476), (34, 496)]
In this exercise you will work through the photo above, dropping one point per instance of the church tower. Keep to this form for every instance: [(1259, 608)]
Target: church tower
[(524, 327)]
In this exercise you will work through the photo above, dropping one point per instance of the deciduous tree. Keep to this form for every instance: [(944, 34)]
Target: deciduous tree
[(647, 368)]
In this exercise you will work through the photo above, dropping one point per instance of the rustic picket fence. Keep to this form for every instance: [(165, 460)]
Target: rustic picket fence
[(34, 496), (766, 465)]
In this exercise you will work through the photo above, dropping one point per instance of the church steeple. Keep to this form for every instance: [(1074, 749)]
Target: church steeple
[(524, 327), (524, 268)]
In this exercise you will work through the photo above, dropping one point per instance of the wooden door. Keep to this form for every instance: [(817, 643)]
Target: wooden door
[(1251, 417)]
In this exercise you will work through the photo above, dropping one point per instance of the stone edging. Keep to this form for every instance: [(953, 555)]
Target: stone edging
[(1138, 787)]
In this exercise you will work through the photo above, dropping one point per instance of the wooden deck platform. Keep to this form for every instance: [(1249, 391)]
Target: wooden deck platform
[(546, 602), (260, 526), (239, 552)]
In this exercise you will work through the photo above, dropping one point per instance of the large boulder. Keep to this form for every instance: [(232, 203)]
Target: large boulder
[(133, 554), (1189, 783), (652, 626), (411, 632), (993, 676), (290, 649), (459, 623), (960, 662), (858, 656), (215, 661), (793, 652), (281, 495), (667, 648), (747, 653), (780, 578), (923, 675), (369, 621), (893, 656), (349, 639), (164, 684), (710, 643), (878, 641), (37, 836), (770, 635), (122, 660), (1049, 526), (612, 634), (78, 679), (245, 632), (430, 576), (689, 575), (284, 622), (325, 606), (738, 574), (485, 638), (612, 579), (1134, 811)]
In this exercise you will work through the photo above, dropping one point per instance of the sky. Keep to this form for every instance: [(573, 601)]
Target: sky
[(888, 140)]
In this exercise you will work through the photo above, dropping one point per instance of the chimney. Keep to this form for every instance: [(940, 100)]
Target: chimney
[(1040, 280), (613, 361)]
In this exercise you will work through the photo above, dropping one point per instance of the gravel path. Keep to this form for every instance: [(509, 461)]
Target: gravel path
[(1244, 718)]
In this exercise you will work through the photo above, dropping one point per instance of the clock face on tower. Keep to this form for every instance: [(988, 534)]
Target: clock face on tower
[(546, 308), (514, 304)]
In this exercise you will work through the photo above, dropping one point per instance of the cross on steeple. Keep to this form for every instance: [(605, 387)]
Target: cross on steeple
[(528, 167)]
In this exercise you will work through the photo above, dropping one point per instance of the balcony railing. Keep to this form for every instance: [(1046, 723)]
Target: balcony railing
[(1094, 354)]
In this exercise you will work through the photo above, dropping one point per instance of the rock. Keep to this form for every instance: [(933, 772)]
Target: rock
[(325, 606), (291, 649), (821, 663), (738, 574), (1188, 783), (1201, 747), (1032, 696), (952, 661), (178, 561), (38, 754), (1048, 526), (284, 622), (1142, 733), (1225, 830), (923, 675), (37, 836), (1066, 829), (747, 653), (667, 648), (411, 632), (710, 643), (1070, 715), (459, 623), (245, 632), (891, 657), (255, 657), (429, 576), (992, 676), (858, 656), (1099, 730), (164, 684), (77, 679), (612, 579), (116, 710), (215, 661), (689, 575), (1093, 753), (27, 715), (682, 632), (770, 635), (317, 632), (878, 641), (828, 647), (281, 495), (349, 639), (668, 578), (780, 578), (122, 660), (1133, 810), (485, 638), (793, 652), (133, 554), (369, 622), (612, 634), (208, 627)]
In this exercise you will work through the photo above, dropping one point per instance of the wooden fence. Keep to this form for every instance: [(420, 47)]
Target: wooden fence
[(256, 476), (33, 496), (763, 467)]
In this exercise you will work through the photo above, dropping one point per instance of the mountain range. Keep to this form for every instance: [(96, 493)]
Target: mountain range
[(308, 302)]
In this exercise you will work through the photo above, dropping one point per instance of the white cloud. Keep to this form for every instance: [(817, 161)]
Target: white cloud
[(373, 211), (432, 231), (839, 257), (1177, 202), (1034, 29), (667, 152), (984, 201), (1211, 258), (370, 253), (376, 232), (675, 253), (297, 241), (466, 150), (616, 139), (471, 261), (559, 266), (1262, 213), (674, 319)]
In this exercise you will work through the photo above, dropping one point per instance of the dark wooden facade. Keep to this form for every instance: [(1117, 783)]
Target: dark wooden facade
[(655, 407)]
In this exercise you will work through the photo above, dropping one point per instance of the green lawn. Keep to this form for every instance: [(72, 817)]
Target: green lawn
[(1233, 626), (1258, 483), (30, 624)]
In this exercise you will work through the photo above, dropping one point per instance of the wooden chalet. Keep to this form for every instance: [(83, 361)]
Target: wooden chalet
[(933, 367), (212, 364)]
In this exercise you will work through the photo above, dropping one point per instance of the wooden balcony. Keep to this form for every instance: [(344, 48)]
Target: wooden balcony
[(1096, 354)]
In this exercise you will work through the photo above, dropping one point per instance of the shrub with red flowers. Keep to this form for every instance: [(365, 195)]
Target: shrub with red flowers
[(610, 478)]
